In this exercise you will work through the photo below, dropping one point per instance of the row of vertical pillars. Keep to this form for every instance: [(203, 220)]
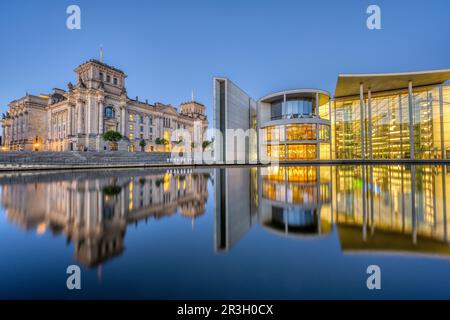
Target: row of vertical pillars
[(410, 116)]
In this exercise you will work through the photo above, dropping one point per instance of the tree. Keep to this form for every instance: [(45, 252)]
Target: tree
[(161, 141), (112, 136), (111, 190), (206, 144), (142, 144)]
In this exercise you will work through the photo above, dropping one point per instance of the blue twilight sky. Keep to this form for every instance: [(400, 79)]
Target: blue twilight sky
[(167, 48)]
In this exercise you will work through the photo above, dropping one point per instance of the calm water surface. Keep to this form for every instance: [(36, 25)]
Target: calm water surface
[(260, 233)]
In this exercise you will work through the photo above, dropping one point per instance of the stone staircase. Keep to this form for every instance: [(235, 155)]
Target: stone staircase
[(77, 158)]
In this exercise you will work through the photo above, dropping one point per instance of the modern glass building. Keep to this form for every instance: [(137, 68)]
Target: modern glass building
[(371, 117), (295, 124), (392, 116)]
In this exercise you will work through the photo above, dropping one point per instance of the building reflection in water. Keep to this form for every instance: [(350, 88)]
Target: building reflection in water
[(396, 208), (93, 209), (385, 208)]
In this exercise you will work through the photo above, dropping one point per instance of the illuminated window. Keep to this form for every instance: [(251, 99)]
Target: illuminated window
[(301, 132), (324, 151), (275, 133), (275, 152), (131, 131), (131, 117), (324, 132), (324, 109), (301, 151)]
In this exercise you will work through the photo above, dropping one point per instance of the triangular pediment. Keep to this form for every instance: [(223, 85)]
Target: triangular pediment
[(169, 110)]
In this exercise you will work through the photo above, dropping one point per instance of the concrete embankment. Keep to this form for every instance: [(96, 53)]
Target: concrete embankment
[(68, 160), (25, 160)]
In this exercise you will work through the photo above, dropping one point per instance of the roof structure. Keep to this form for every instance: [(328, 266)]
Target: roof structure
[(349, 84)]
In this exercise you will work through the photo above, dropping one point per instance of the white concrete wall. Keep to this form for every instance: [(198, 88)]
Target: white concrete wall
[(264, 112), (236, 119)]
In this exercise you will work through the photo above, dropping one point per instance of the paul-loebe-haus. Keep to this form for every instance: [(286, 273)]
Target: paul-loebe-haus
[(386, 116)]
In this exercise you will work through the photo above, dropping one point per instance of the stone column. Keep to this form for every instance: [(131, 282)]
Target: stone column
[(79, 116), (17, 122), (20, 126), (17, 127), (58, 124), (123, 119), (61, 124), (49, 126), (6, 134), (67, 126), (74, 124), (12, 128), (100, 116), (69, 120), (25, 124), (146, 126), (88, 115)]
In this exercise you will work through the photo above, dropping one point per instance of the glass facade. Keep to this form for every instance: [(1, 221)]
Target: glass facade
[(347, 129), (276, 152), (390, 133), (301, 132), (275, 133), (379, 125), (324, 110), (299, 141), (301, 151), (301, 124), (387, 134), (293, 108)]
